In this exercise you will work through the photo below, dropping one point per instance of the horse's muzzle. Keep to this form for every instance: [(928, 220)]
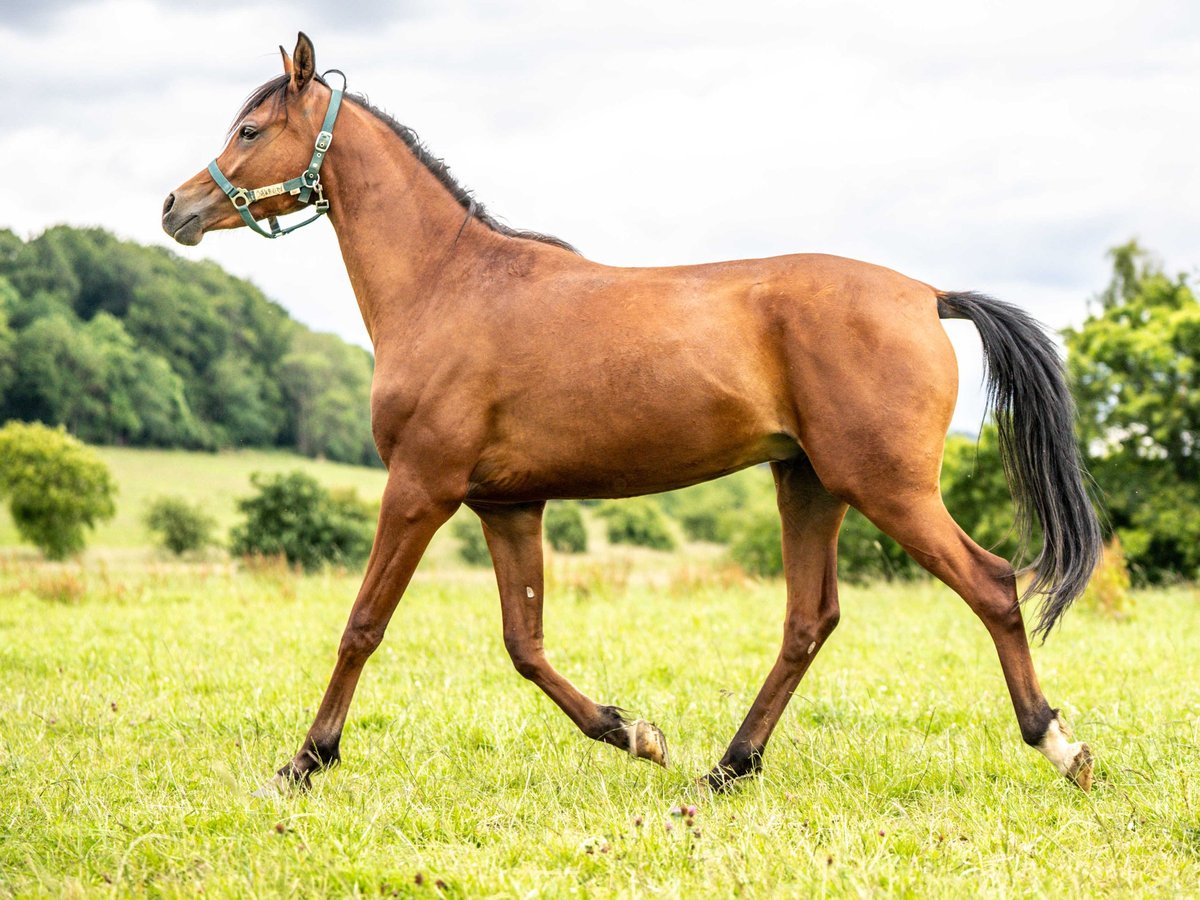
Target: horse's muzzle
[(179, 224)]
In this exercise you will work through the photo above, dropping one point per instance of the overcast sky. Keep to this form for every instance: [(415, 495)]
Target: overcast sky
[(1001, 147)]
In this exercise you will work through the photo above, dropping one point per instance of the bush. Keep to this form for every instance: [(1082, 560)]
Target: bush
[(1108, 590), (472, 546), (865, 553), (563, 525), (181, 527), (758, 548), (293, 516), (707, 523), (714, 510), (56, 487), (638, 521)]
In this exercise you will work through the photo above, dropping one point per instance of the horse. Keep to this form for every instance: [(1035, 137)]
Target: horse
[(510, 370)]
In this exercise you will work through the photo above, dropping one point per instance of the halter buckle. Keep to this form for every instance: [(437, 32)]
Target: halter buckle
[(324, 139), (240, 194)]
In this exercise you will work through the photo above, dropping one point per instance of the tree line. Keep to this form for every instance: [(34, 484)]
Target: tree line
[(133, 345)]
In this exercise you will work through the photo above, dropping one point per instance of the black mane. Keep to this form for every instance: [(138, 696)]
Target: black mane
[(275, 91)]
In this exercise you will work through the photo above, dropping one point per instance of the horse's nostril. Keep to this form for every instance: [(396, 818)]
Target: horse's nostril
[(168, 203)]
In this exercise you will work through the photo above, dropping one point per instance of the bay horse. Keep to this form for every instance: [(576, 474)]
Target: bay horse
[(510, 370)]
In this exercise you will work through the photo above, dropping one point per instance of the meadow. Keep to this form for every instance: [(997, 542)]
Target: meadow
[(142, 700)]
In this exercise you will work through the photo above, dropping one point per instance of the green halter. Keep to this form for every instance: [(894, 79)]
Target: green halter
[(303, 187)]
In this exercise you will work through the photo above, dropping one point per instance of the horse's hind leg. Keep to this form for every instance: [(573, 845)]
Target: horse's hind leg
[(514, 537), (811, 517), (923, 526)]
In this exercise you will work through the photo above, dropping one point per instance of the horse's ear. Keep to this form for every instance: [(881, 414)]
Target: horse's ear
[(287, 63), (304, 64)]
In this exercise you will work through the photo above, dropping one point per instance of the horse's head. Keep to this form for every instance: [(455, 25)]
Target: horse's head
[(275, 136)]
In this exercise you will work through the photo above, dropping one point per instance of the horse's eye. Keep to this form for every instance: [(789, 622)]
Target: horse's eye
[(249, 132)]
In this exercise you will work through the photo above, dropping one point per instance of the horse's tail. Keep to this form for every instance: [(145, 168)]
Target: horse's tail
[(1035, 416)]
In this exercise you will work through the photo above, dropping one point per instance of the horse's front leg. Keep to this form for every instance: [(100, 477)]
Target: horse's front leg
[(408, 518), (514, 537)]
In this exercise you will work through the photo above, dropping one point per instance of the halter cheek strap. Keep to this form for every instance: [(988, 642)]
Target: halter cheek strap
[(306, 186)]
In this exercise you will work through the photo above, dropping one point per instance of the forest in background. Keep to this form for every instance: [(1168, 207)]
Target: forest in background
[(134, 346)]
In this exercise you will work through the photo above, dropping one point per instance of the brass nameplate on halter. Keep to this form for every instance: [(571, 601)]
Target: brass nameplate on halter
[(268, 191)]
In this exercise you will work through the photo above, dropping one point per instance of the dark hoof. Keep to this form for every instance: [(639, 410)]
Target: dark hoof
[(728, 771), (721, 780)]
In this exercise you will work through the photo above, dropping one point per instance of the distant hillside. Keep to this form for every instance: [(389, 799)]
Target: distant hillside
[(132, 345)]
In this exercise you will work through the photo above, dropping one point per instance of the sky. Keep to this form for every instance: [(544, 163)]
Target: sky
[(998, 147)]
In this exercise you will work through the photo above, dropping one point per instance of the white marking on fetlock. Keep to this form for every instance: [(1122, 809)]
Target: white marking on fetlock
[(1061, 752)]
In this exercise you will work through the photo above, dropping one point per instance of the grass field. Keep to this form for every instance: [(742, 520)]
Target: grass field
[(141, 703)]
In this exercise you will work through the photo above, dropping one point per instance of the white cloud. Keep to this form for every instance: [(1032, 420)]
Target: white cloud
[(996, 147)]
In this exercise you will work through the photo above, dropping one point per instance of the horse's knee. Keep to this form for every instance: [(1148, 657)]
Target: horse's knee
[(803, 639), (360, 640), (527, 660)]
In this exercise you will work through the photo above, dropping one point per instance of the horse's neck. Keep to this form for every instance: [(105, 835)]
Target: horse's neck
[(402, 236)]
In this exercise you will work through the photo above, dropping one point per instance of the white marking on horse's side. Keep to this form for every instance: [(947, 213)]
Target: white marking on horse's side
[(529, 592), (812, 647), (1056, 748)]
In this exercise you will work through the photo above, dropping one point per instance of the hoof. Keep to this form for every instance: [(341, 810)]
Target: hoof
[(281, 785), (646, 741), (1080, 771), (719, 780), (1073, 760), (724, 776)]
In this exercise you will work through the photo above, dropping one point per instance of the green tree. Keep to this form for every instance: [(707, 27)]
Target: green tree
[(56, 487), (637, 521), (294, 516), (563, 525), (472, 546), (8, 343), (179, 525), (758, 546), (327, 383), (1136, 374)]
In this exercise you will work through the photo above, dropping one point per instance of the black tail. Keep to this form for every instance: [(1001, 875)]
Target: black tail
[(1035, 416)]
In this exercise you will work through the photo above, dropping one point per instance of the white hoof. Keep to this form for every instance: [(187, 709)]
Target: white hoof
[(1073, 760), (646, 741)]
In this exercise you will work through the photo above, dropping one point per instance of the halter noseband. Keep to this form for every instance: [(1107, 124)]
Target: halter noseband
[(303, 187)]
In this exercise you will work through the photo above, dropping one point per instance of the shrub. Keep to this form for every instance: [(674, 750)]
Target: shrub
[(638, 521), (758, 549), (56, 487), (563, 525), (1108, 590), (712, 511), (180, 526), (294, 516), (865, 553), (707, 523), (472, 546)]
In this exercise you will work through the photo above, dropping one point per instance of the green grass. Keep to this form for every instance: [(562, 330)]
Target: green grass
[(215, 480), (140, 704)]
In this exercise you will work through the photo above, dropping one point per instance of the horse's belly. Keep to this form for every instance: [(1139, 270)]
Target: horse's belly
[(639, 448)]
